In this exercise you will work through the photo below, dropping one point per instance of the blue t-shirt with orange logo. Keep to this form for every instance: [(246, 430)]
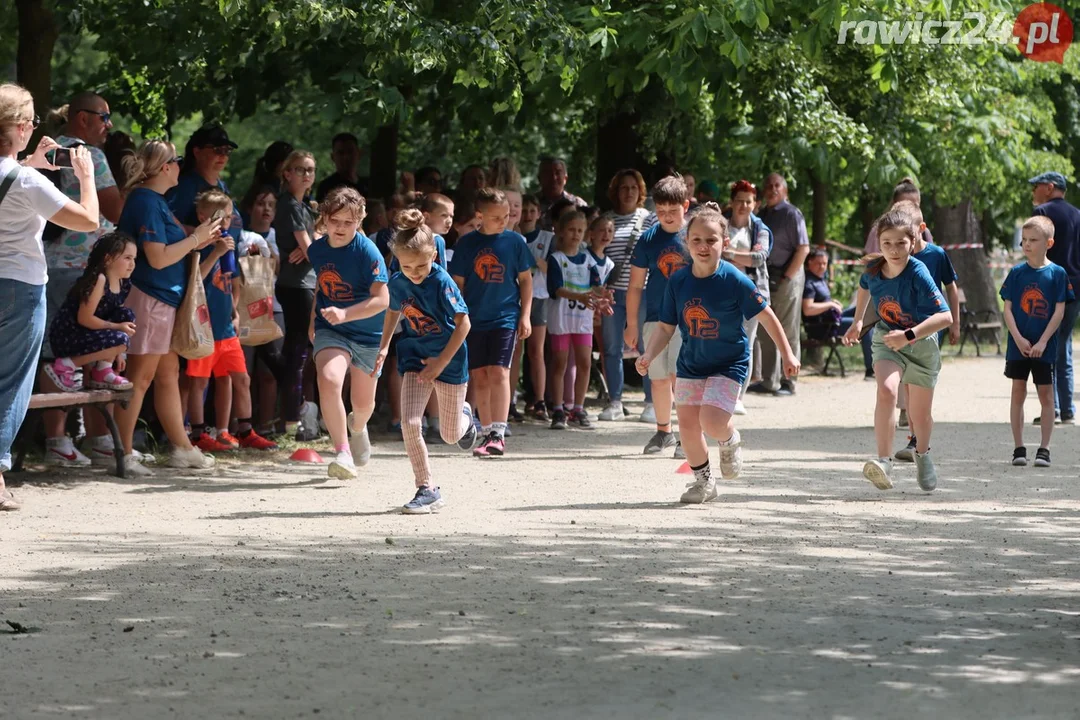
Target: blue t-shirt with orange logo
[(219, 299), (906, 300), (1034, 293), (490, 265), (709, 313), (427, 311), (662, 253), (343, 278)]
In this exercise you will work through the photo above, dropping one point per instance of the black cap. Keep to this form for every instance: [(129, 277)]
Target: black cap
[(211, 136)]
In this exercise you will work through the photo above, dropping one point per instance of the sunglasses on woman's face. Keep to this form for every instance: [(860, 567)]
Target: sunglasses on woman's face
[(223, 150), (174, 161)]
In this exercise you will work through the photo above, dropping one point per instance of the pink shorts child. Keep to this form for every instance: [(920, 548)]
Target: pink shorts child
[(717, 391), (562, 343)]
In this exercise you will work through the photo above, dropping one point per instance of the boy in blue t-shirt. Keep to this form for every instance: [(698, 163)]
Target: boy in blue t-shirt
[(232, 384), (431, 353), (707, 303), (346, 326), (658, 254), (492, 267), (1035, 293)]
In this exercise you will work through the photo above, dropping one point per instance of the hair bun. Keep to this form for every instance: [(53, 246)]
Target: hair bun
[(409, 219), (710, 205)]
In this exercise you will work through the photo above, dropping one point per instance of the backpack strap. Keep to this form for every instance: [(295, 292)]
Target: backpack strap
[(8, 180)]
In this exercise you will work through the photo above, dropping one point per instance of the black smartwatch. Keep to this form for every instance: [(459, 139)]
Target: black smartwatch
[(910, 335)]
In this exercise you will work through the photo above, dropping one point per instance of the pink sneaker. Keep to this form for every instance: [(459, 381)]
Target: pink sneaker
[(106, 379), (481, 450), (62, 372), (496, 446)]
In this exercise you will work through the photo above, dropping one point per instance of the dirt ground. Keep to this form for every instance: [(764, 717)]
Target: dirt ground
[(565, 580)]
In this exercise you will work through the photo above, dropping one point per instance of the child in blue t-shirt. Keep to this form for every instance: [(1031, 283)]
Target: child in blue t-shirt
[(708, 302), (941, 271), (1035, 293), (431, 353), (492, 267), (658, 254), (347, 325), (232, 384), (912, 310)]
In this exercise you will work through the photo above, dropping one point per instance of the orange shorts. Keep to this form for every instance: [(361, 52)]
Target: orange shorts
[(228, 358)]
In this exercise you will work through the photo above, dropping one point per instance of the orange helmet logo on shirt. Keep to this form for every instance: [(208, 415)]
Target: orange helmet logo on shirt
[(419, 323), (669, 261), (333, 287), (1034, 303), (889, 310), (488, 268), (222, 281), (699, 323)]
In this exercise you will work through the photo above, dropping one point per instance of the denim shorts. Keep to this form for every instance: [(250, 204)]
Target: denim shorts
[(361, 356)]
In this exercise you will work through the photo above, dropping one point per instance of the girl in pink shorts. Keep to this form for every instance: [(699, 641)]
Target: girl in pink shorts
[(574, 286), (708, 302)]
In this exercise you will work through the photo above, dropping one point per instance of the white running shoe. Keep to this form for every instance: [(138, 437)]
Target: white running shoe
[(342, 467), (193, 458), (648, 414), (134, 468), (740, 409), (66, 455), (102, 455), (700, 491), (877, 472), (359, 444), (731, 457), (613, 412)]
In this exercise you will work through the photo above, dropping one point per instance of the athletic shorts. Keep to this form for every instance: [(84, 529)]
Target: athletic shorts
[(1042, 373), (920, 362), (228, 358), (360, 356), (489, 348), (663, 365), (562, 343), (538, 314), (154, 321), (717, 391)]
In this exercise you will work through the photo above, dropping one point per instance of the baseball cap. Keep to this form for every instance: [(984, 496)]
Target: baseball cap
[(710, 188), (1054, 178), (211, 136)]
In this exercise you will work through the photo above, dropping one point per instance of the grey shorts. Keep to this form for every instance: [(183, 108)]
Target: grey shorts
[(361, 356), (538, 314)]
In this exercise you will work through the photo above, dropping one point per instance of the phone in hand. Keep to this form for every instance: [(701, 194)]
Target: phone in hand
[(60, 157), (222, 219)]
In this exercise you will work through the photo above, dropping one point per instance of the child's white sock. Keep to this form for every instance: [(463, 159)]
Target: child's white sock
[(499, 428)]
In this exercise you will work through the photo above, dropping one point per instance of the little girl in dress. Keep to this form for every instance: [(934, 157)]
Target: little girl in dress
[(93, 327)]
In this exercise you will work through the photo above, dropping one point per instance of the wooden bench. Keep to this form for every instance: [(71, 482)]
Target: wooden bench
[(97, 399), (973, 322)]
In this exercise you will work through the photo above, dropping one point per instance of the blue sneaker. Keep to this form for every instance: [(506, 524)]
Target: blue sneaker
[(468, 440), (427, 500)]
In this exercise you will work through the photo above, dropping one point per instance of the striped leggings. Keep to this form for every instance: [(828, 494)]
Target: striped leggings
[(452, 421)]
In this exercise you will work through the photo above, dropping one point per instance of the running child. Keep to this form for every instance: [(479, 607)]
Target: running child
[(941, 270), (708, 303), (540, 243), (347, 325), (658, 254), (438, 211), (493, 269), (1035, 293), (431, 353), (93, 327), (574, 286), (227, 363), (912, 310)]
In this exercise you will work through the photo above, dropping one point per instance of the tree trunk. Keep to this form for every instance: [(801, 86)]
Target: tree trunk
[(821, 209), (384, 157), (957, 224), (33, 56), (616, 148)]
